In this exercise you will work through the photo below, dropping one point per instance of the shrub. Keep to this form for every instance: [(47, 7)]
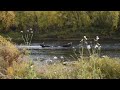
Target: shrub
[(8, 52), (22, 70)]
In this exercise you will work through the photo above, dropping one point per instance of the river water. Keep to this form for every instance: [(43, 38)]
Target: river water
[(109, 48)]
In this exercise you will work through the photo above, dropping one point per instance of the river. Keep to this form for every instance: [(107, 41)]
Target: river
[(108, 47)]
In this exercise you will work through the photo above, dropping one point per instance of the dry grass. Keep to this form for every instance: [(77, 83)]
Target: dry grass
[(8, 52), (95, 68)]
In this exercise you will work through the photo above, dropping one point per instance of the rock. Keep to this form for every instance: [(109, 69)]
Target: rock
[(49, 62)]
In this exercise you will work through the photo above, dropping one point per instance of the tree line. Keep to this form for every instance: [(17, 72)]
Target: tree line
[(104, 22)]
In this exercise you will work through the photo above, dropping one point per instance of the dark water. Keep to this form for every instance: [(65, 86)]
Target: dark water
[(109, 48)]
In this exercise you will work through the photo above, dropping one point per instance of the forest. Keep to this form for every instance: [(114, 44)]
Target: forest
[(60, 24)]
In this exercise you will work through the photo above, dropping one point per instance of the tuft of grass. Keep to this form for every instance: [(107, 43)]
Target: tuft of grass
[(22, 70), (95, 68)]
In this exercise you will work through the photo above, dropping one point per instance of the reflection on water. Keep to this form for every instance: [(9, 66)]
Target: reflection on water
[(109, 48)]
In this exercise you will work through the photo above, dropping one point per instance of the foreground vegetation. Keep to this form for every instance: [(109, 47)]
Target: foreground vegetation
[(96, 68), (15, 65)]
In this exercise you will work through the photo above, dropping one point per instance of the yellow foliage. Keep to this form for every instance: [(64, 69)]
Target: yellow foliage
[(10, 71), (8, 51), (7, 18)]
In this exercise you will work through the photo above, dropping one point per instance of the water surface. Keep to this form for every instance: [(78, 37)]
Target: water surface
[(109, 48)]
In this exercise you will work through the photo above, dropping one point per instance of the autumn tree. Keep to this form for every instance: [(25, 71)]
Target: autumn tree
[(7, 19)]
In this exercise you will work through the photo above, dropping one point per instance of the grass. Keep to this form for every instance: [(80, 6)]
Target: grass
[(14, 65), (95, 68), (59, 35)]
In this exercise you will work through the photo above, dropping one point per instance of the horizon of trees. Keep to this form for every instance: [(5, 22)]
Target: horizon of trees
[(105, 22)]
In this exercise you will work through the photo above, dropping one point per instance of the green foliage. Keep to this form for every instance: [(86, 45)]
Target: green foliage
[(45, 22)]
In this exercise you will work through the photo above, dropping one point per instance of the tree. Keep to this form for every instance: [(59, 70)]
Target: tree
[(7, 19)]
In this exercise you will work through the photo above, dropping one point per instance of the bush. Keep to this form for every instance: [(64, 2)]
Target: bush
[(8, 52), (13, 64), (22, 70)]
